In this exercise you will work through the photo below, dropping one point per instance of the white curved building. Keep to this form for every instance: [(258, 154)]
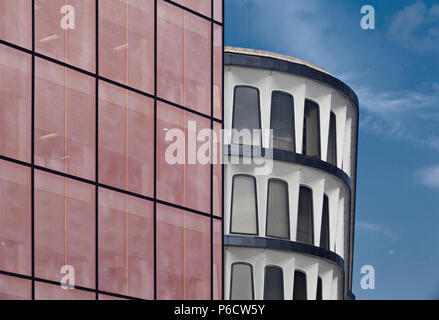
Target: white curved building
[(289, 201)]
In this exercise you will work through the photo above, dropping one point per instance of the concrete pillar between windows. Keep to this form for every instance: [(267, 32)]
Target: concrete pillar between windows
[(299, 107), (325, 112)]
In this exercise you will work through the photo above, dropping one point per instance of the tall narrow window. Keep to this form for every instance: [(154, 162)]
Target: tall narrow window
[(299, 291), (305, 216), (246, 116), (241, 287), (244, 208), (311, 130), (282, 121), (319, 289), (332, 140), (278, 224), (273, 283), (324, 233)]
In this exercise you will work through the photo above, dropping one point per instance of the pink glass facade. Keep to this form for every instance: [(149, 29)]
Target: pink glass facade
[(84, 182)]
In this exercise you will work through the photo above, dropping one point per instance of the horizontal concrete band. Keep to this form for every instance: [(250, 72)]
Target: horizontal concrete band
[(283, 245), (288, 156), (270, 63)]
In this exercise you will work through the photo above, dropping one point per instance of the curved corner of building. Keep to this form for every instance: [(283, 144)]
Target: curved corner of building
[(289, 196)]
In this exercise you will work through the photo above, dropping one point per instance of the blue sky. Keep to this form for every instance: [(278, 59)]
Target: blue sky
[(394, 69)]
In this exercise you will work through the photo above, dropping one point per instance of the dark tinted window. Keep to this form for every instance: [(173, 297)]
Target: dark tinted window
[(273, 283), (319, 289), (311, 130), (282, 121), (246, 115), (299, 292), (305, 216), (324, 232), (332, 140)]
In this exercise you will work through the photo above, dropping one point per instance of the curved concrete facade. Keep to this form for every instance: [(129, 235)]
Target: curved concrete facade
[(329, 268)]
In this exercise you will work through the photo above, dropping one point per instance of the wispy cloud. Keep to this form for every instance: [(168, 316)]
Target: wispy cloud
[(376, 228), (429, 176), (416, 28), (410, 115), (385, 103), (434, 143)]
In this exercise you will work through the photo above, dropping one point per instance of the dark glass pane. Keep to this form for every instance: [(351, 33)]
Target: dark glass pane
[(282, 121), (324, 233), (246, 114), (305, 216), (277, 210), (332, 141), (299, 292), (319, 289), (242, 282), (273, 284), (311, 130)]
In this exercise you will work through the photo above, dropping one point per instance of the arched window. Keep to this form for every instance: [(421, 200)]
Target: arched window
[(311, 130), (299, 291), (246, 116), (319, 289), (273, 283), (278, 224), (324, 232), (332, 140), (241, 282), (305, 216), (282, 121), (244, 216)]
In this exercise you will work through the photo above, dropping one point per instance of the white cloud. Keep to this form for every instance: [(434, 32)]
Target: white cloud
[(409, 115), (392, 252), (429, 176), (385, 103), (416, 28), (376, 228), (434, 143)]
